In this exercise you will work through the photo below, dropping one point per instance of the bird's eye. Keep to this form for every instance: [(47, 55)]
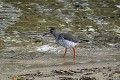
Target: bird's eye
[(51, 30)]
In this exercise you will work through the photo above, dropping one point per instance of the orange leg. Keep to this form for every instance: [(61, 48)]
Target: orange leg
[(74, 53), (65, 52)]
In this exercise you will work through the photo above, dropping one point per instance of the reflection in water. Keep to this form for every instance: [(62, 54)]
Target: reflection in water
[(69, 62)]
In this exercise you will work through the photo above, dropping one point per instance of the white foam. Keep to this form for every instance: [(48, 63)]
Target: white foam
[(118, 6), (45, 48)]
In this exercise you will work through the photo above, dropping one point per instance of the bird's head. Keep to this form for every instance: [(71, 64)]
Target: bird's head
[(52, 30)]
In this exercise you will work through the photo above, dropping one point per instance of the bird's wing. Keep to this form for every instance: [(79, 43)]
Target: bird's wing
[(72, 38), (68, 37)]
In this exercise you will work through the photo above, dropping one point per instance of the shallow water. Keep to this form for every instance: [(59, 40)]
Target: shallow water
[(23, 23)]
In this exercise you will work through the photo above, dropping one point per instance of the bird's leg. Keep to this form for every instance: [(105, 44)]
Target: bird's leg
[(74, 53), (65, 52)]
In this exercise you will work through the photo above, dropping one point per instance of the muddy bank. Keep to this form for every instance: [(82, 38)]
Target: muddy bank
[(93, 71)]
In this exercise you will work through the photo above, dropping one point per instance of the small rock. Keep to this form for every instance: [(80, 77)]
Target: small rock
[(87, 78)]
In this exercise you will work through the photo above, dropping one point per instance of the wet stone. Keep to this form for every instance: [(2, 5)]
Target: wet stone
[(67, 78), (76, 6), (87, 78), (63, 72)]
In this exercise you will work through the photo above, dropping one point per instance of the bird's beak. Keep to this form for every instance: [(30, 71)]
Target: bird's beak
[(47, 33)]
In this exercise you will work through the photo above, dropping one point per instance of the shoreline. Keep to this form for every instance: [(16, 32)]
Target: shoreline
[(85, 71)]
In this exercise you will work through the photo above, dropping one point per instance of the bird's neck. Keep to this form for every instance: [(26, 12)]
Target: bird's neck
[(55, 34)]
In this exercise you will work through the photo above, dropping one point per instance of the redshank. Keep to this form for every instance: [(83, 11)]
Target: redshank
[(66, 40)]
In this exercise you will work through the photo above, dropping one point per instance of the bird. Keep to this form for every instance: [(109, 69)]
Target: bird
[(66, 40)]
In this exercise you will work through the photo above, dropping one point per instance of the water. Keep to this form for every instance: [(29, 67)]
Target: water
[(23, 46)]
